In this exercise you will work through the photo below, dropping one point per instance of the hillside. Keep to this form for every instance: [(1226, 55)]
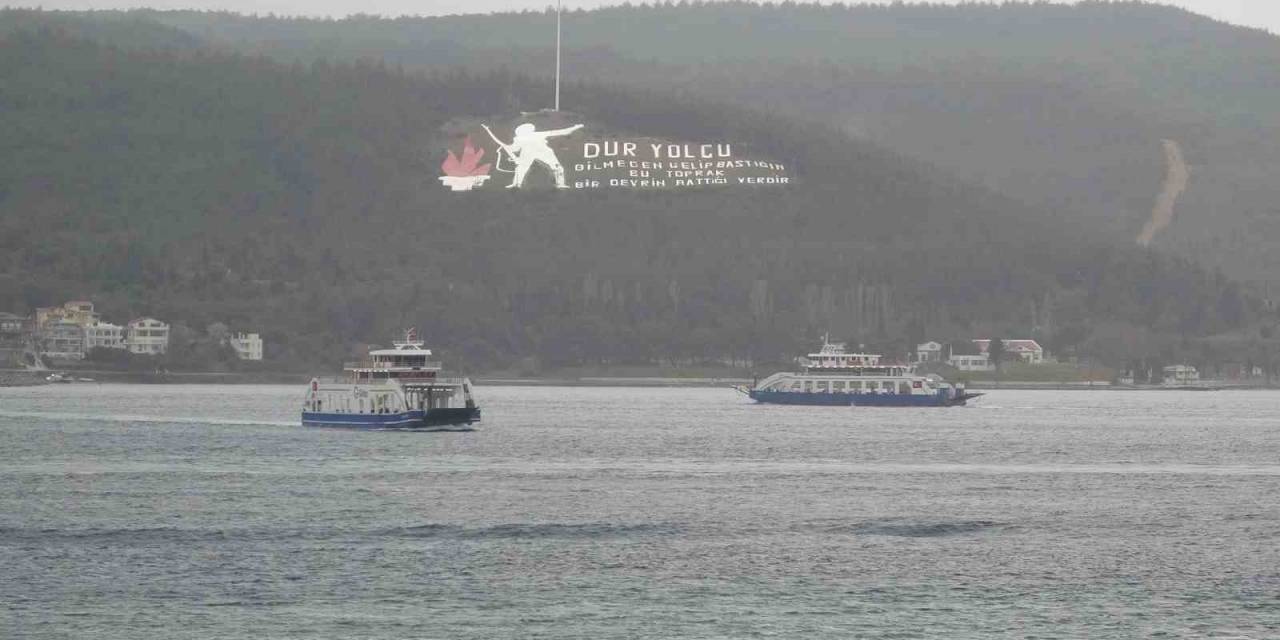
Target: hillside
[(1065, 107), (303, 201)]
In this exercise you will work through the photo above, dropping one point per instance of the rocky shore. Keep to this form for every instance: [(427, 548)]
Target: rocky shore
[(21, 378)]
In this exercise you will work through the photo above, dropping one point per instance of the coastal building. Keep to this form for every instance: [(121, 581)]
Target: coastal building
[(147, 336), (104, 335), (14, 327), (1028, 351), (1180, 375), (248, 346), (928, 352), (15, 335), (78, 312), (11, 324), (62, 340), (979, 362)]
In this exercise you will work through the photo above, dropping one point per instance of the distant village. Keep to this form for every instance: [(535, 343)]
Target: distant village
[(976, 356), (1028, 351), (71, 332)]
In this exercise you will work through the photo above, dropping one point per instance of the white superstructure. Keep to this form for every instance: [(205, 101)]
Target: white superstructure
[(833, 370), (402, 384)]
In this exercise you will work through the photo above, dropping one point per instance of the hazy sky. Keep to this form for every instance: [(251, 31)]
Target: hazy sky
[(1258, 13)]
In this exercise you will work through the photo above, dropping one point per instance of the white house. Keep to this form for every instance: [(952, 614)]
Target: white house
[(929, 352), (103, 335), (1028, 351), (979, 362), (248, 346), (148, 336), (1179, 375)]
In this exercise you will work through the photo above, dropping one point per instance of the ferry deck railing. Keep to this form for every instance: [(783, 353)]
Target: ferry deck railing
[(408, 382), (426, 366)]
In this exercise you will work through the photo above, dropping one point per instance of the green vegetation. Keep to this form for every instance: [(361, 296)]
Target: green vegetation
[(1049, 372), (300, 201), (1061, 106)]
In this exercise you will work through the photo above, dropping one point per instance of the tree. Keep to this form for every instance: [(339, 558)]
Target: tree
[(218, 332), (995, 352)]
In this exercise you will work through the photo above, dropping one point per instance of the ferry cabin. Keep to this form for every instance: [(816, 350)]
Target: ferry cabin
[(851, 384), (831, 370), (382, 397)]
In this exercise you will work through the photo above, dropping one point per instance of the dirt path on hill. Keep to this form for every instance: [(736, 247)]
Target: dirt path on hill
[(1175, 182)]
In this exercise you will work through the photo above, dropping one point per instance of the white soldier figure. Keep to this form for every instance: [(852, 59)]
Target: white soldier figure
[(530, 146)]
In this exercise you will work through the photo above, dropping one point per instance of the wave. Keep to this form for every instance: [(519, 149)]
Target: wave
[(536, 531), (124, 535), (516, 531), (915, 529)]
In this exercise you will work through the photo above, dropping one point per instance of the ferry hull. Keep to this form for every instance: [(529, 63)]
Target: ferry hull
[(858, 399), (405, 420), (805, 399), (451, 417)]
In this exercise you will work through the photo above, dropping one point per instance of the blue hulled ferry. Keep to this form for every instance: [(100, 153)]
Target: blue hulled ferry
[(833, 377), (397, 388)]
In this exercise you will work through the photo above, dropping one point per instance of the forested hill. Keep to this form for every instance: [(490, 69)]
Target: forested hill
[(302, 201), (1061, 106)]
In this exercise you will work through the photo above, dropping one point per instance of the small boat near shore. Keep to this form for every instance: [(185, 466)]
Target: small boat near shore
[(397, 388), (833, 377)]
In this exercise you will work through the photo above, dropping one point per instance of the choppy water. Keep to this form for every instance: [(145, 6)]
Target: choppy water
[(203, 512)]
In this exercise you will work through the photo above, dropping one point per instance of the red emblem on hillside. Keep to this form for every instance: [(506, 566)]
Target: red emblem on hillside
[(463, 173)]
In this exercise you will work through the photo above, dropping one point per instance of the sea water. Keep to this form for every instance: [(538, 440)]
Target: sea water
[(207, 512)]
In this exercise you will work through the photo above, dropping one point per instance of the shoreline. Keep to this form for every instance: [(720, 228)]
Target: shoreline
[(22, 378)]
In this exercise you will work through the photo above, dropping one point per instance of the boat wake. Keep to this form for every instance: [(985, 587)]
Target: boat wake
[(145, 419)]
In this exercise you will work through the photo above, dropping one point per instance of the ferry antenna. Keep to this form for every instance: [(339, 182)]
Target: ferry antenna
[(558, 6)]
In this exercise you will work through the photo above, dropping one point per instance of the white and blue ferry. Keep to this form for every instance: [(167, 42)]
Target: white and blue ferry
[(833, 377), (397, 388)]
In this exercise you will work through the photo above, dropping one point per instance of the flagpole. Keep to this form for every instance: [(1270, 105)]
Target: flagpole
[(558, 3)]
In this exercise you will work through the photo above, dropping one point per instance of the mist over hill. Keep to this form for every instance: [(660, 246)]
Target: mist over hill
[(302, 200), (1061, 106)]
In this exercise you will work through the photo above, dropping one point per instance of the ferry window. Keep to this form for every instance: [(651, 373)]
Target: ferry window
[(822, 386), (887, 385), (904, 388), (838, 385), (795, 386), (855, 385), (808, 385)]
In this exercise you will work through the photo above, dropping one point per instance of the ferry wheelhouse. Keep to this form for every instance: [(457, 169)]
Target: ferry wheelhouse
[(833, 377), (396, 388)]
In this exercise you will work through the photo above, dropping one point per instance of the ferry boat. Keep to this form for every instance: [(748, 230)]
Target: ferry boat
[(396, 388), (833, 377)]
